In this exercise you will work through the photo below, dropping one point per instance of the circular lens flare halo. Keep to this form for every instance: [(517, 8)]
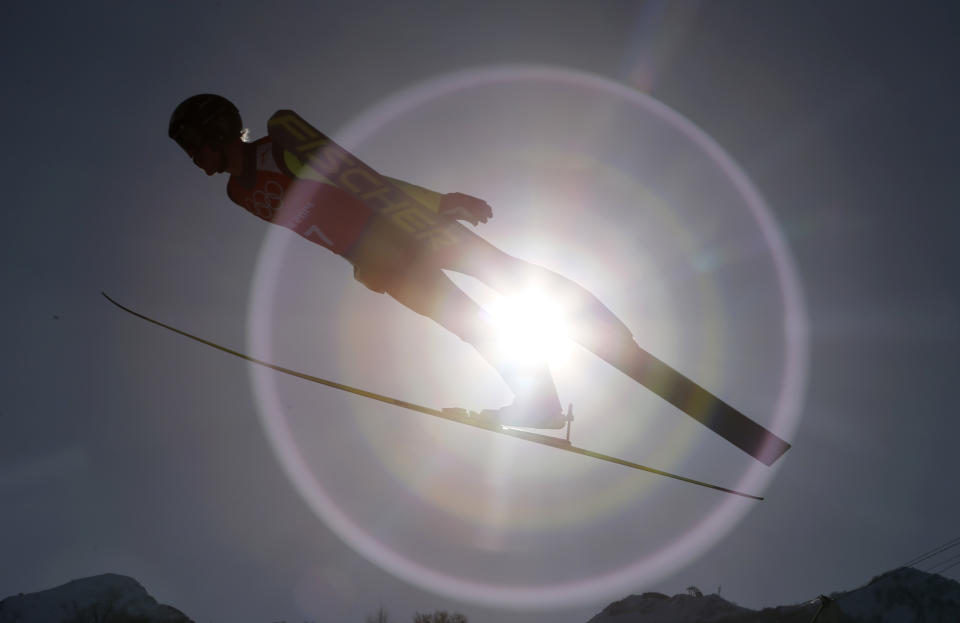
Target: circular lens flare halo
[(661, 561)]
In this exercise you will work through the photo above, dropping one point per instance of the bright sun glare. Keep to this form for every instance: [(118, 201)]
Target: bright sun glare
[(532, 328)]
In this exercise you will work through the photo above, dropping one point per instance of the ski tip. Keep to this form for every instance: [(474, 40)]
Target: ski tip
[(114, 302)]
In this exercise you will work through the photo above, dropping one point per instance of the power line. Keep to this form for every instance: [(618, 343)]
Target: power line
[(937, 567), (950, 567), (950, 563), (937, 550)]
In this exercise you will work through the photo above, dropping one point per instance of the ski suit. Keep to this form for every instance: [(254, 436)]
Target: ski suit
[(399, 248)]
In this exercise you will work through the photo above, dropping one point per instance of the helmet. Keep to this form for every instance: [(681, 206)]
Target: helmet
[(205, 119)]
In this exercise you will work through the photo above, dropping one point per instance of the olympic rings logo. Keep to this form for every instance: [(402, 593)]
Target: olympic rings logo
[(265, 203)]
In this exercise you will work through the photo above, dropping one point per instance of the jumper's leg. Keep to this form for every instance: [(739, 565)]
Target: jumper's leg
[(591, 323), (431, 293)]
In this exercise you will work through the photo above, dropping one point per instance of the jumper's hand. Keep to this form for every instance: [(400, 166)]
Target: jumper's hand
[(465, 208)]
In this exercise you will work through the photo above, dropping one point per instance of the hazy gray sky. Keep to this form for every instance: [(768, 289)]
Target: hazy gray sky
[(127, 449)]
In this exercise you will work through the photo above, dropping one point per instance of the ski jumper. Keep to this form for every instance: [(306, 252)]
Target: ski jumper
[(401, 239), (399, 243)]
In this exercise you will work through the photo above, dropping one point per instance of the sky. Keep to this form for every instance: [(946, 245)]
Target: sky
[(763, 192)]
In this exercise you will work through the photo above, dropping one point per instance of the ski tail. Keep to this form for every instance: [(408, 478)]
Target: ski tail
[(703, 406)]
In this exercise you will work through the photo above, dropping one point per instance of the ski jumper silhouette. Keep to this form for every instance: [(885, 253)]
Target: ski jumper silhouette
[(400, 238)]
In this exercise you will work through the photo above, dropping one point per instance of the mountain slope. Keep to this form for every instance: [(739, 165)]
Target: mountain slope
[(903, 595), (107, 598)]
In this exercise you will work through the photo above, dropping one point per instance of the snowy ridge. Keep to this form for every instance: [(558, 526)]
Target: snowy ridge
[(107, 598), (676, 609), (658, 608), (903, 595)]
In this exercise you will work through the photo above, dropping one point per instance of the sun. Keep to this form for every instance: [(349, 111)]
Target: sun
[(532, 328)]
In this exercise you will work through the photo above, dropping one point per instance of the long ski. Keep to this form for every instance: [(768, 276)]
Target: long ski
[(700, 404), (299, 143), (461, 416)]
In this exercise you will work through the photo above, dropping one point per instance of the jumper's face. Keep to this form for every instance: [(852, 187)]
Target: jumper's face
[(210, 159)]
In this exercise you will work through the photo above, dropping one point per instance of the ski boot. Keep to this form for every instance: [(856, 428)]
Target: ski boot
[(546, 414)]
